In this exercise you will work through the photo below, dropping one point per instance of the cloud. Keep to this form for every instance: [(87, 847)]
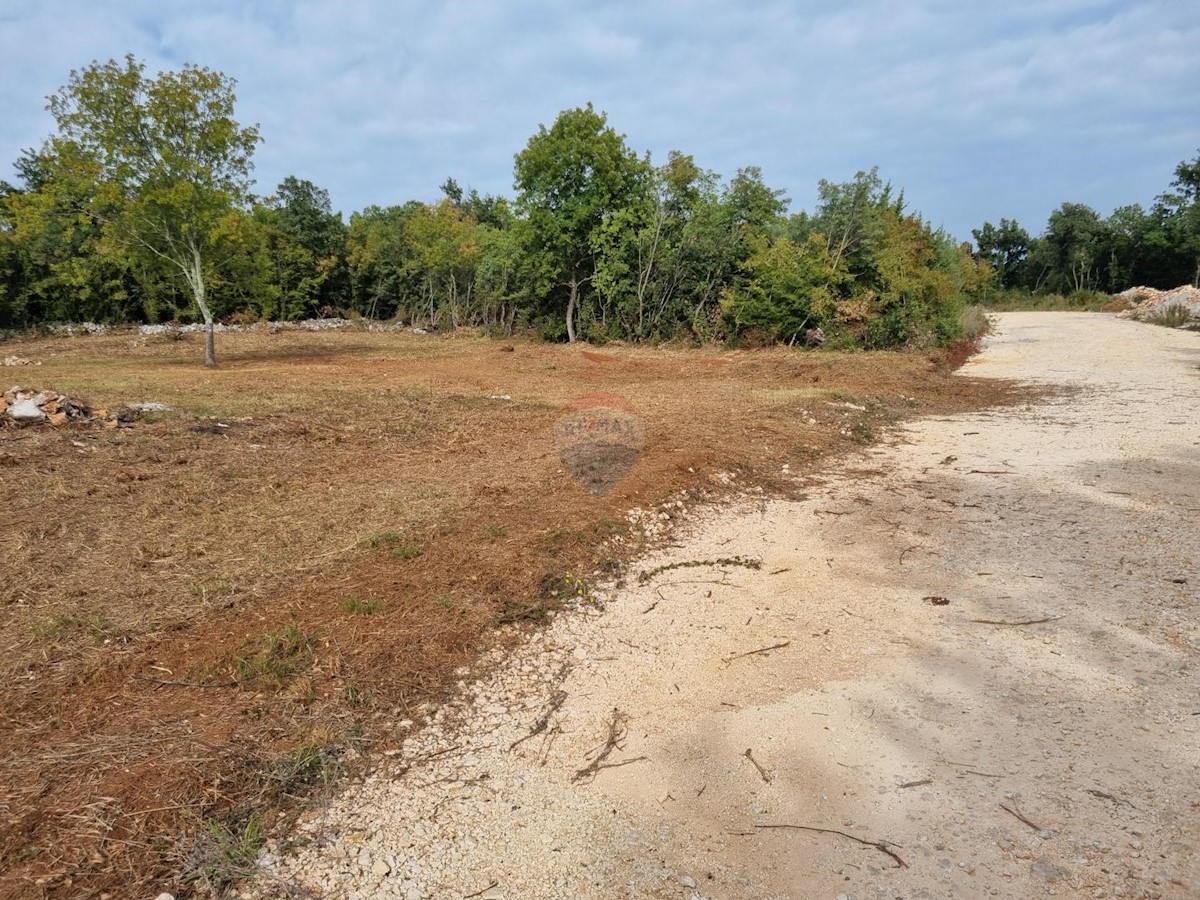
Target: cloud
[(978, 110)]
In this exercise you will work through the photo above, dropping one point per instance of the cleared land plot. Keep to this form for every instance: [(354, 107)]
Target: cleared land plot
[(210, 611)]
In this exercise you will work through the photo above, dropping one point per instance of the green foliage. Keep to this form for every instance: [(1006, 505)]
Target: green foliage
[(1080, 254), (139, 208), (275, 658), (570, 178)]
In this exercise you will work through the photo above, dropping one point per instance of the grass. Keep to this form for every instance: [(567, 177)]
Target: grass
[(382, 539), (275, 658), (1027, 301), (1177, 316), (96, 626), (357, 454), (361, 606)]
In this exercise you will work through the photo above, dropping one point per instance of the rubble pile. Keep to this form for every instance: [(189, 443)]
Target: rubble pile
[(19, 406), (1152, 302)]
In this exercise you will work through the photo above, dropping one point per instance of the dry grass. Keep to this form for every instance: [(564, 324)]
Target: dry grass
[(192, 605)]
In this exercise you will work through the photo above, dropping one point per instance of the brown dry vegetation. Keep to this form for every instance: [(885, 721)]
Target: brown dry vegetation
[(200, 620)]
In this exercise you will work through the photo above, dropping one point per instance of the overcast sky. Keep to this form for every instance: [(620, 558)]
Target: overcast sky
[(978, 110)]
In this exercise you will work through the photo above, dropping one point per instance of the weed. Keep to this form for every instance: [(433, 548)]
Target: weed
[(744, 562), (96, 625), (382, 539), (361, 606), (494, 532), (215, 587), (407, 552), (276, 658), (226, 851), (1172, 317)]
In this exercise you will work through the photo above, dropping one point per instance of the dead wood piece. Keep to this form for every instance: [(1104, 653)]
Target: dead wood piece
[(881, 846), (937, 601), (780, 571), (1021, 622), (757, 652), (541, 724), (912, 784), (766, 776)]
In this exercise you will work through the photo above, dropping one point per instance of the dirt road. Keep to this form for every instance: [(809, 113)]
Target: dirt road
[(971, 656)]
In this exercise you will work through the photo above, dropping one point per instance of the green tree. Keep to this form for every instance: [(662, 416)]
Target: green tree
[(160, 164), (1006, 247), (570, 178)]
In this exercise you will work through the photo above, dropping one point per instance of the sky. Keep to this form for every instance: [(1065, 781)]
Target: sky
[(977, 110)]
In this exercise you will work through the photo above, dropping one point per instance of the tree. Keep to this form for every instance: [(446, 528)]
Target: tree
[(162, 164), (1006, 247), (570, 178)]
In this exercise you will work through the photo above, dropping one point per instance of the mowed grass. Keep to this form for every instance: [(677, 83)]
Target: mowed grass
[(318, 534)]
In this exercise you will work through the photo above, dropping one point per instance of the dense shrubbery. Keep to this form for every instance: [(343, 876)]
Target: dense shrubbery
[(1082, 258), (598, 243)]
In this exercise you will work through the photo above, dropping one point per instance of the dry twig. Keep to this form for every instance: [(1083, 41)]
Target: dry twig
[(1013, 811), (1021, 622), (881, 846), (540, 725), (761, 771), (760, 650), (615, 740)]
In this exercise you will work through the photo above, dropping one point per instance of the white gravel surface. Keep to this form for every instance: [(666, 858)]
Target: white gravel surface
[(885, 715)]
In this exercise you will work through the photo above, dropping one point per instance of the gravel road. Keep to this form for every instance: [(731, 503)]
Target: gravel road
[(977, 668)]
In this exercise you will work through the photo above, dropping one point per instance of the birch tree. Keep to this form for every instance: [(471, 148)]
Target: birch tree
[(162, 164)]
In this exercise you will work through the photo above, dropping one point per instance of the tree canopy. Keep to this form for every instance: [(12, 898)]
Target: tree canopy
[(140, 208)]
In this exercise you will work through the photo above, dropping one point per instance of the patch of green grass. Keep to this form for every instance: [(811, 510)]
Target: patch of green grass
[(214, 587), (97, 626), (494, 532), (382, 539), (406, 552), (361, 606), (226, 852), (276, 657)]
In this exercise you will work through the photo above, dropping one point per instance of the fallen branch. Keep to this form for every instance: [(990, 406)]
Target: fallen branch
[(1013, 811), (912, 784), (760, 650), (988, 472), (614, 740), (541, 724), (761, 771), (1021, 622), (881, 846), (481, 891)]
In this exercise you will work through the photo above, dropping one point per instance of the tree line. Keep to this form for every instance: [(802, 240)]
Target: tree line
[(1080, 251), (140, 208)]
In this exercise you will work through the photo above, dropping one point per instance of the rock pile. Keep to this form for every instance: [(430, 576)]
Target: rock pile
[(19, 406), (1152, 302)]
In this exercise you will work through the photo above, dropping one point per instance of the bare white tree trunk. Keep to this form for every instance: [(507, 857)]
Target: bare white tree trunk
[(572, 299), (195, 277)]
